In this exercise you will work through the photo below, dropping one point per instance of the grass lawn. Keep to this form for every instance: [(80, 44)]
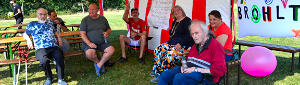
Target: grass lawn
[(79, 70)]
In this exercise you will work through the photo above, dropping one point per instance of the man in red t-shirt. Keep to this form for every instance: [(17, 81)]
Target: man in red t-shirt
[(137, 34)]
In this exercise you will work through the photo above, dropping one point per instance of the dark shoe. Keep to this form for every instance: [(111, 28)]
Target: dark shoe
[(48, 81), (109, 64), (62, 82), (122, 60), (102, 69), (155, 79), (141, 60)]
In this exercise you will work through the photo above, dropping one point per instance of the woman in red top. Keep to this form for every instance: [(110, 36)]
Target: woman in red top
[(222, 32)]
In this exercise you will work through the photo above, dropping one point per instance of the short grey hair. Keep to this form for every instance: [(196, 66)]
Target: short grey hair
[(203, 26), (40, 9)]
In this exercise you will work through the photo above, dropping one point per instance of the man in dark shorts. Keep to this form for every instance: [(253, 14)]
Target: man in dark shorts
[(17, 12), (94, 28)]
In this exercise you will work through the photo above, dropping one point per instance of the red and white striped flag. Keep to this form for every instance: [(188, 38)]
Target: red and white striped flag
[(101, 7)]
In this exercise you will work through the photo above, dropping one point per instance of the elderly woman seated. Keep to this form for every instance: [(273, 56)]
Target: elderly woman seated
[(205, 61), (167, 54)]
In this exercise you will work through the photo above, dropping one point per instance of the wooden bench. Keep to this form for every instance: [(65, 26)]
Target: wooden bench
[(73, 25), (12, 31), (73, 38), (8, 26), (282, 48), (20, 45)]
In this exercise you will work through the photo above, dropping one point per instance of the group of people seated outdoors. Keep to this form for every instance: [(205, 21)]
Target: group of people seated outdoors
[(204, 48)]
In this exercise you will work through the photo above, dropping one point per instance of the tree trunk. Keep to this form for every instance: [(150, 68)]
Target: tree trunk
[(82, 7), (22, 9)]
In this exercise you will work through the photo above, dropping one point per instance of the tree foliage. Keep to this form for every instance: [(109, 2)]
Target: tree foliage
[(61, 6)]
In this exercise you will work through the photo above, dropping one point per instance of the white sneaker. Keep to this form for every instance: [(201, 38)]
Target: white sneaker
[(62, 82)]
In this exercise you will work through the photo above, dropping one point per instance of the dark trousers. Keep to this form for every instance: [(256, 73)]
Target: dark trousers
[(175, 77), (228, 57), (19, 21), (44, 54)]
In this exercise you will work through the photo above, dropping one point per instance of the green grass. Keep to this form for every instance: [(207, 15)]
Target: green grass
[(79, 70)]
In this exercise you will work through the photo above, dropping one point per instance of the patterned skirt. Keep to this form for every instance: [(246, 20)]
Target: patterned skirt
[(165, 57)]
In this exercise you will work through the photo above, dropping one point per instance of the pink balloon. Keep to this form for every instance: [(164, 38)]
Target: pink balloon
[(258, 61)]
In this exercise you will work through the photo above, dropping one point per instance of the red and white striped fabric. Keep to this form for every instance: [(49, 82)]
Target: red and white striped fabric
[(195, 9), (101, 7)]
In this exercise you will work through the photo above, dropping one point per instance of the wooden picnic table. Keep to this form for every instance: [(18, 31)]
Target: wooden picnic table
[(21, 39), (70, 33), (73, 25), (9, 54), (12, 40), (13, 31), (8, 26)]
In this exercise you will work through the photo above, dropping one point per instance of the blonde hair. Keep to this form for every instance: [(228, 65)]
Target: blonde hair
[(180, 8)]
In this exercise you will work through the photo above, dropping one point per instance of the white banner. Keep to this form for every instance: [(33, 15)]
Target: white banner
[(268, 18)]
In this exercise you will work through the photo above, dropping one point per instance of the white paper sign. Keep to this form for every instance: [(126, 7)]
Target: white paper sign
[(159, 14)]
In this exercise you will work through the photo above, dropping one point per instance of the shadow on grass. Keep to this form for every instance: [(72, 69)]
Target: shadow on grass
[(6, 72), (32, 71)]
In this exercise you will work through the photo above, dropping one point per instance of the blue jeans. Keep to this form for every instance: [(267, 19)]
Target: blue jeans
[(228, 57), (175, 77)]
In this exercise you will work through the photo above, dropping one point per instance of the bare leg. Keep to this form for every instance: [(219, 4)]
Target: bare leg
[(142, 43), (123, 39), (108, 52), (91, 55)]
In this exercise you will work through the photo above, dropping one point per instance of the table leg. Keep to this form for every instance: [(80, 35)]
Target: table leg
[(26, 73), (227, 77), (239, 74), (292, 64), (239, 78), (299, 61), (240, 51), (9, 55)]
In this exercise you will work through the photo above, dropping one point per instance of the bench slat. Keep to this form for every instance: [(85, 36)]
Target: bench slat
[(270, 46), (13, 49), (15, 61), (20, 45), (75, 53), (73, 38), (74, 42)]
